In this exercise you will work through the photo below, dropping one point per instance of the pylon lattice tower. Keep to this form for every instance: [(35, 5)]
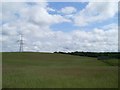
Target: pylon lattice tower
[(21, 43)]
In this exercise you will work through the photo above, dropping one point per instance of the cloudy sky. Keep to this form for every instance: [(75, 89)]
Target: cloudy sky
[(60, 26)]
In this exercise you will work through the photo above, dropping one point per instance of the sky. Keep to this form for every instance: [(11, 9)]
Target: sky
[(59, 26)]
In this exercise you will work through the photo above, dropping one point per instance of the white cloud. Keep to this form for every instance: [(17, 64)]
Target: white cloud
[(96, 12), (34, 12), (44, 39), (97, 39), (34, 22), (68, 10), (60, 0), (10, 9), (0, 13), (51, 9), (39, 15)]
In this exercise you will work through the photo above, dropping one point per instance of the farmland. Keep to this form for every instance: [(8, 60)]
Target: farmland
[(51, 70)]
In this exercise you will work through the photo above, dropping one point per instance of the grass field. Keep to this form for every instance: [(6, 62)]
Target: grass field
[(45, 70)]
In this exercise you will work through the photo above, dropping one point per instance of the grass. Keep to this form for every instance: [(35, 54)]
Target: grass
[(113, 62), (47, 70)]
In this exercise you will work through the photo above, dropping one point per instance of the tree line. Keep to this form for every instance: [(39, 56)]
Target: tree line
[(99, 55)]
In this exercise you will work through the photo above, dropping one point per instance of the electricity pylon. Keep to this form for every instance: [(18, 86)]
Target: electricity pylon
[(21, 43)]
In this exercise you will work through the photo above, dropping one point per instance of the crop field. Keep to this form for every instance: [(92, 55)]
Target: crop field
[(50, 70)]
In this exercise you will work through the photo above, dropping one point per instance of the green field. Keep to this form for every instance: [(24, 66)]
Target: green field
[(47, 70)]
